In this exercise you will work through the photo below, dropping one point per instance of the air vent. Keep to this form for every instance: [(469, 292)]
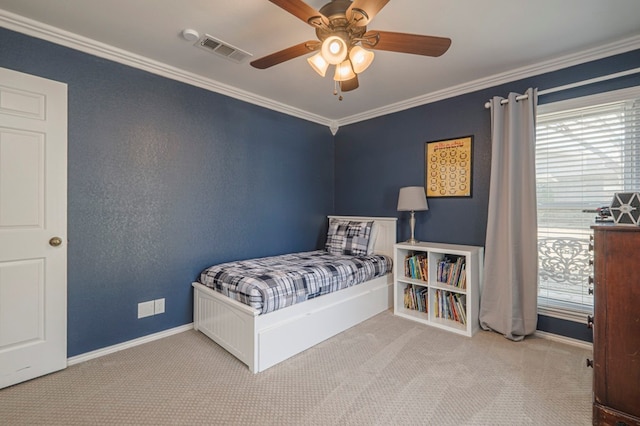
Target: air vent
[(220, 48)]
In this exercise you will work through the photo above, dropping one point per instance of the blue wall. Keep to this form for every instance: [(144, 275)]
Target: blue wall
[(166, 179), (376, 157)]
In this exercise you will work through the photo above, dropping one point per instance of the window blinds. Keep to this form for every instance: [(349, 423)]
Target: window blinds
[(583, 156)]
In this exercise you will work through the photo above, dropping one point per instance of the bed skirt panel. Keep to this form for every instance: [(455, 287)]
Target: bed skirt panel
[(261, 341)]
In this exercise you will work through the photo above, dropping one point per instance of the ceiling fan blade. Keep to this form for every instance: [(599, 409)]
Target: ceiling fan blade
[(407, 43), (361, 12), (348, 85), (303, 11), (286, 54)]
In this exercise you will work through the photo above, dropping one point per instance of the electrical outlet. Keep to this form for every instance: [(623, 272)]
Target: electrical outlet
[(159, 306), (146, 309)]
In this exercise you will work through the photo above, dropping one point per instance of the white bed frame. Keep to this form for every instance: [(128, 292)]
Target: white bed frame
[(261, 341)]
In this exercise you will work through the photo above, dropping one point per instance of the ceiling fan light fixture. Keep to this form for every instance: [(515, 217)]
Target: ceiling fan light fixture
[(344, 71), (334, 50), (318, 64), (360, 58), (343, 40)]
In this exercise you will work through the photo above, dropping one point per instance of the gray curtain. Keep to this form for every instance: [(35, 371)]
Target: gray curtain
[(509, 299)]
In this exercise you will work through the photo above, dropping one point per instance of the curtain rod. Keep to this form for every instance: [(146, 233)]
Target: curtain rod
[(572, 85)]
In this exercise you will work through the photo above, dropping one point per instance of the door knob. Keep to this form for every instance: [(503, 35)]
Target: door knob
[(55, 241)]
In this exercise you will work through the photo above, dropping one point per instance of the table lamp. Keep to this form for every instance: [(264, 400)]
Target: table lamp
[(412, 199)]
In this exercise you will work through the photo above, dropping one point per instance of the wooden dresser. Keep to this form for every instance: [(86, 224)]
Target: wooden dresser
[(616, 325)]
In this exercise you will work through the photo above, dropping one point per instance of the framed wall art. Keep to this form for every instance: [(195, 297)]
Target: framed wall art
[(448, 167)]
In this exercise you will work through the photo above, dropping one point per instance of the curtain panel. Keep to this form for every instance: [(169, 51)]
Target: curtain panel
[(509, 302)]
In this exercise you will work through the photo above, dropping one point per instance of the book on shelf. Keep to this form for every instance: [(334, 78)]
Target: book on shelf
[(451, 306), (416, 298), (462, 304), (452, 271), (416, 266)]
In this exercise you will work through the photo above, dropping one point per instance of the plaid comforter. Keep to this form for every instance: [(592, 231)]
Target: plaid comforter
[(272, 283)]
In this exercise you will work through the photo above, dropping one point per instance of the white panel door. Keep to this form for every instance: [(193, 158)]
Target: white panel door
[(33, 227)]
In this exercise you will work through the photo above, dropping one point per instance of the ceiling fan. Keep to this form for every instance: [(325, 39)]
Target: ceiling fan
[(343, 39)]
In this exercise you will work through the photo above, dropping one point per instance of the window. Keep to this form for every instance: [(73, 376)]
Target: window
[(586, 150)]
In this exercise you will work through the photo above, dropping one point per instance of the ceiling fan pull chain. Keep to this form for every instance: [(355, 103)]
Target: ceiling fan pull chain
[(336, 89)]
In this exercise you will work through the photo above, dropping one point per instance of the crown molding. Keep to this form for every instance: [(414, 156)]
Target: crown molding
[(55, 35), (604, 51)]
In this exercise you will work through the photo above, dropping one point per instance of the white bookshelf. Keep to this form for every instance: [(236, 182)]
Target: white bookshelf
[(436, 296)]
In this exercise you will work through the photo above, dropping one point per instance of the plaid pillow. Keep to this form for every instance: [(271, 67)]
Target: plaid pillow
[(348, 237)]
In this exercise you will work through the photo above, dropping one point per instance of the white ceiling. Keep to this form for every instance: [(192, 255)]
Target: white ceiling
[(493, 41)]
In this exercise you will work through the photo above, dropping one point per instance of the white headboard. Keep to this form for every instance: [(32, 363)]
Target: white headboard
[(386, 232)]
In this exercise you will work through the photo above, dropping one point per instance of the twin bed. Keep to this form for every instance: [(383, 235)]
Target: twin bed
[(266, 310)]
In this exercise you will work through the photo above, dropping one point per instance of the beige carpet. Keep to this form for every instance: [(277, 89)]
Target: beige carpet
[(385, 371)]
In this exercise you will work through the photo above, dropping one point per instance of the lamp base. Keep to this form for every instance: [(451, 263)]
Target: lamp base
[(412, 223)]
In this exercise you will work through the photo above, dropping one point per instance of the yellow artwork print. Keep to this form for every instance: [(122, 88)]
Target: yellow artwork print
[(448, 168)]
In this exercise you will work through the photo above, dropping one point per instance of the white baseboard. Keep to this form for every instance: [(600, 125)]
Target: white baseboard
[(563, 339), (166, 333), (126, 345)]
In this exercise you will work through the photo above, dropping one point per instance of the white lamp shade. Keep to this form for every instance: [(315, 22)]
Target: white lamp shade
[(344, 71), (360, 59), (318, 63), (412, 198), (334, 50)]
